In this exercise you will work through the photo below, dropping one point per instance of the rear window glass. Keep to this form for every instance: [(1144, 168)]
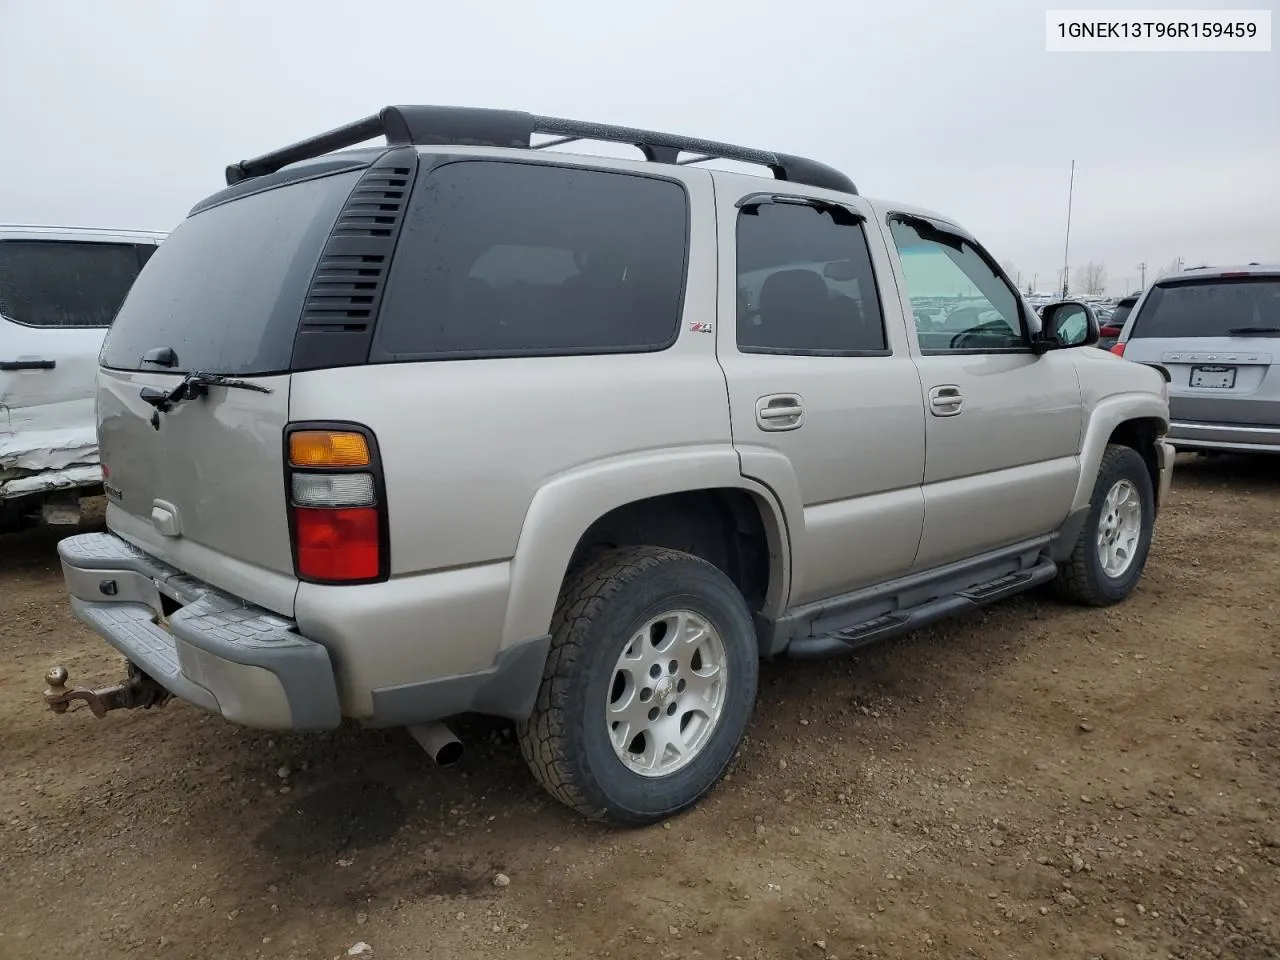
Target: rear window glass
[(225, 290), (62, 283), (1211, 308), (1120, 314), (510, 259)]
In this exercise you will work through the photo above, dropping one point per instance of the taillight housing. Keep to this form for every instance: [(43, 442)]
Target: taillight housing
[(1118, 349), (337, 503)]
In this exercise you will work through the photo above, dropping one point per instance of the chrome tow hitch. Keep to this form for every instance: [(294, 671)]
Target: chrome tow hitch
[(136, 690)]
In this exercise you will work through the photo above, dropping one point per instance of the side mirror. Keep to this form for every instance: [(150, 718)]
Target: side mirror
[(1068, 323)]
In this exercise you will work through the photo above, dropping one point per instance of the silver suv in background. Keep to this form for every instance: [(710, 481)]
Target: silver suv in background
[(1217, 331), (460, 424), (60, 288)]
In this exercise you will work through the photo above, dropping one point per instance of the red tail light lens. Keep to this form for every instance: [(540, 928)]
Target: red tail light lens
[(1118, 349), (336, 545), (1109, 331), (333, 479)]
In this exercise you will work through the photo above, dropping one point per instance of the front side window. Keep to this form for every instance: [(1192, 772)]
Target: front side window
[(959, 302), (63, 283), (805, 282), (518, 259)]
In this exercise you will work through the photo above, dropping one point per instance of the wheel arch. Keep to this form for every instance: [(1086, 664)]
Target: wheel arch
[(1132, 420), (693, 500)]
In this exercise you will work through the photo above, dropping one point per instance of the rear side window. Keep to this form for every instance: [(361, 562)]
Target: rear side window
[(1241, 306), (225, 290), (62, 283), (805, 282), (509, 259)]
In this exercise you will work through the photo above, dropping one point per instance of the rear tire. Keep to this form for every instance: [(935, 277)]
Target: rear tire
[(648, 687), (1109, 555)]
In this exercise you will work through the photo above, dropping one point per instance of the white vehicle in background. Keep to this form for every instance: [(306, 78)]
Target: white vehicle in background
[(60, 288)]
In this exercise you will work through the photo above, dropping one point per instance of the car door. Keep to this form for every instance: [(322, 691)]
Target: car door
[(1003, 424), (57, 298), (824, 398)]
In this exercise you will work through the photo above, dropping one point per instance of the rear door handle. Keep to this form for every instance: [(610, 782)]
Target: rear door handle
[(945, 400), (780, 411), (28, 363)]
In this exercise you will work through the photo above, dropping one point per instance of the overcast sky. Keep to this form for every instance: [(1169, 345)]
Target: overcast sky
[(124, 112)]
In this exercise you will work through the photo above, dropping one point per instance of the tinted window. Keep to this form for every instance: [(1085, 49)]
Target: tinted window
[(1120, 313), (58, 283), (958, 299), (504, 259), (805, 282), (1213, 308), (225, 290)]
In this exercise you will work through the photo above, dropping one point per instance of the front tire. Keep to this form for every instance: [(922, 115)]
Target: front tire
[(1111, 551), (648, 687)]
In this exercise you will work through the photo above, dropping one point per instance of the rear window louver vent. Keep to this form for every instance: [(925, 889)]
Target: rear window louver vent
[(342, 302)]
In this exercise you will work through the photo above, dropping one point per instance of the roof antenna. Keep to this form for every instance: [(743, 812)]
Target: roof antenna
[(1067, 246)]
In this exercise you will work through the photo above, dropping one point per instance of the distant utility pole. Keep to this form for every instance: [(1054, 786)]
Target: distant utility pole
[(1142, 273), (1066, 248)]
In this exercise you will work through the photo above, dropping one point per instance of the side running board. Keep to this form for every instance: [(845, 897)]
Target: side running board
[(913, 618)]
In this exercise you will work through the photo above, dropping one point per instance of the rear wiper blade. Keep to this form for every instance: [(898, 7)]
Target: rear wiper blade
[(193, 385), (1252, 331)]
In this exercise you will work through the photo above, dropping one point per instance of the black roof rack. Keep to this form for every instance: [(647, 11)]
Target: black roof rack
[(473, 126)]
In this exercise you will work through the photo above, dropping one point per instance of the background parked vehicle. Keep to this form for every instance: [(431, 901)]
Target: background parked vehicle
[(1113, 321), (60, 288), (1217, 331)]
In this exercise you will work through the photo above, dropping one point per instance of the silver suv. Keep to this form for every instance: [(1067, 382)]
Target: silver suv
[(466, 424), (1217, 332)]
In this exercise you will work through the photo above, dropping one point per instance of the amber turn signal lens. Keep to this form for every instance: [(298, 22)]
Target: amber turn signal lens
[(328, 448)]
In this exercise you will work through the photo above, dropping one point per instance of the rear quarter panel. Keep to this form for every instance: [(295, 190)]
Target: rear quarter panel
[(495, 467)]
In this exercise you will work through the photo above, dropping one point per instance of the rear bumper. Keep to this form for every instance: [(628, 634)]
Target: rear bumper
[(1239, 438), (225, 655), (215, 650), (1166, 454)]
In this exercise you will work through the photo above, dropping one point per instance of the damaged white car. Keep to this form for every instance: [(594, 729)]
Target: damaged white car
[(60, 288)]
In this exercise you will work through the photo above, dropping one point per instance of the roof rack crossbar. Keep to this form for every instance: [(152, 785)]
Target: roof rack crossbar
[(469, 126), (558, 141)]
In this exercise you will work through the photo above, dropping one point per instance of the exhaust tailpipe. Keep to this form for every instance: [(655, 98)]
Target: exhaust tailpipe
[(439, 742)]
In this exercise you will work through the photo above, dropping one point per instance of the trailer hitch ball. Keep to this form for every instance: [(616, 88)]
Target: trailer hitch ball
[(56, 690)]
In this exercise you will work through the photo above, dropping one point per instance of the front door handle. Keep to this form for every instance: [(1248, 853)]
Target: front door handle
[(28, 363), (945, 400), (780, 411)]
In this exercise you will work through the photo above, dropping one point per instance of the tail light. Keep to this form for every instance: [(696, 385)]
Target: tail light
[(1109, 331), (337, 504), (1118, 349)]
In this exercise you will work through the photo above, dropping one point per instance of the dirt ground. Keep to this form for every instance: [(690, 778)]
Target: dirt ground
[(1034, 780)]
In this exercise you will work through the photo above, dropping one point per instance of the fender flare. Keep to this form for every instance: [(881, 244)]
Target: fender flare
[(568, 504), (1103, 420)]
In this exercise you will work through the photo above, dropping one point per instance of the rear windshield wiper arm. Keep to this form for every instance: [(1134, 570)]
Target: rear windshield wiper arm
[(193, 385), (1252, 331)]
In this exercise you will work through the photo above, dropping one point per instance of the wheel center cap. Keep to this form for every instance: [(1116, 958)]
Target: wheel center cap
[(664, 689)]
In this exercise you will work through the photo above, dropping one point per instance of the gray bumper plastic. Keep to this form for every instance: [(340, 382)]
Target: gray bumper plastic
[(217, 651)]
